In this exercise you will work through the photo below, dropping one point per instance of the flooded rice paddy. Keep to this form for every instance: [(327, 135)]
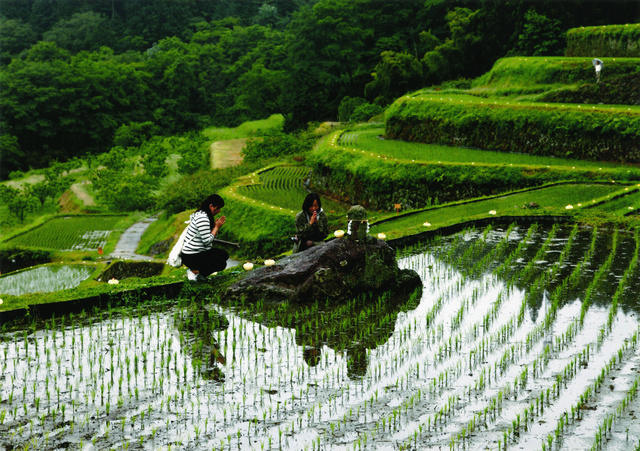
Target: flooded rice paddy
[(44, 279), (522, 338)]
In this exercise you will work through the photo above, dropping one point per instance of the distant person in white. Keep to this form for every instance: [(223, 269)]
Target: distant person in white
[(198, 253), (598, 65)]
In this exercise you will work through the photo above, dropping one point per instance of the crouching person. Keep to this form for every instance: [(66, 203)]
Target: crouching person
[(198, 253)]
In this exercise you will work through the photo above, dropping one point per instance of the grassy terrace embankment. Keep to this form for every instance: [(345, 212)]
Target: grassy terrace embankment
[(435, 185)]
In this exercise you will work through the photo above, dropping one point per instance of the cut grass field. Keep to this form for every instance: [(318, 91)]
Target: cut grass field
[(246, 129), (372, 141), (226, 153)]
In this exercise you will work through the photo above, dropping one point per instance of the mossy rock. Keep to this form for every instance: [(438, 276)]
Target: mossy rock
[(123, 270)]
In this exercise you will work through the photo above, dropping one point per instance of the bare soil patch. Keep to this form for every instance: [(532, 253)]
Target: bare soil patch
[(226, 153)]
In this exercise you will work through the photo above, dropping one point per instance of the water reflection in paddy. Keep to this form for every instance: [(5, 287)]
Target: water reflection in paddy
[(44, 279), (497, 348)]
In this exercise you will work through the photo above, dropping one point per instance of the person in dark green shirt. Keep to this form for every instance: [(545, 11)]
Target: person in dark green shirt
[(312, 224)]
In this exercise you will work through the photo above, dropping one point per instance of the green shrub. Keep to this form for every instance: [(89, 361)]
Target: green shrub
[(134, 134), (189, 191), (604, 41), (273, 144), (15, 258), (347, 106), (365, 112)]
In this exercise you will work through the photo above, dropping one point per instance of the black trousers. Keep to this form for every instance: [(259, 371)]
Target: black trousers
[(207, 262)]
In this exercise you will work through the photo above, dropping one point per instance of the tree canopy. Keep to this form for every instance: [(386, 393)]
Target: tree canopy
[(75, 72)]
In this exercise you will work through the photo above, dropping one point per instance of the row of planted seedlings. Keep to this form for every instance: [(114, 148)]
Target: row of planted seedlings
[(373, 372), (507, 437), (458, 366), (100, 378), (430, 347), (404, 377)]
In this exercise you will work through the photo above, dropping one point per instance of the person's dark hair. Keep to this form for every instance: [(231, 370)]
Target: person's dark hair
[(214, 200), (308, 201)]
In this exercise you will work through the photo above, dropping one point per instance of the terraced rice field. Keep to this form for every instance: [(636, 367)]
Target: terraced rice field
[(522, 338), (283, 186), (70, 233)]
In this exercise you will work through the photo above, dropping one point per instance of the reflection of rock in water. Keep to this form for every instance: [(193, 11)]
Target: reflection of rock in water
[(352, 328), (196, 328)]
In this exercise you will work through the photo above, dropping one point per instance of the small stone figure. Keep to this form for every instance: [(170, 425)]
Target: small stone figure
[(358, 224)]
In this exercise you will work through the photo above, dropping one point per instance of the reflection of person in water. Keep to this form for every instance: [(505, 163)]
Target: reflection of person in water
[(357, 362), (311, 355)]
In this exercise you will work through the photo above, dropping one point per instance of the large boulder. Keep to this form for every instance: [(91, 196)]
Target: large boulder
[(339, 269)]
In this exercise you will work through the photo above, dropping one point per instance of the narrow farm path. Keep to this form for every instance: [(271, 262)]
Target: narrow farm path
[(130, 239)]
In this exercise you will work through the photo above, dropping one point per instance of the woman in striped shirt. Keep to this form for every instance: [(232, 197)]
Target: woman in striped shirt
[(198, 253)]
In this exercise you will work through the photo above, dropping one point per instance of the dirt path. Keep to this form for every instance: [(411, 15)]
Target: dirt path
[(226, 153), (81, 193)]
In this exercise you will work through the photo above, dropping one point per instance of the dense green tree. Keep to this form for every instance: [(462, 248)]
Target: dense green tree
[(82, 31), (334, 44), (129, 193), (18, 201), (347, 106), (41, 191), (134, 133), (66, 105), (154, 156), (192, 160), (11, 155), (15, 37), (541, 36), (395, 75)]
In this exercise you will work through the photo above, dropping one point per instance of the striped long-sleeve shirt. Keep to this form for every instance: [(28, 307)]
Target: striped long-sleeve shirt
[(199, 237)]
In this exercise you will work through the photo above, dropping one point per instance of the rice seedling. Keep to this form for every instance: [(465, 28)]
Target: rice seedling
[(495, 351)]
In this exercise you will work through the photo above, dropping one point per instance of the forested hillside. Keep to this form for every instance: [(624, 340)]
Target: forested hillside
[(82, 76)]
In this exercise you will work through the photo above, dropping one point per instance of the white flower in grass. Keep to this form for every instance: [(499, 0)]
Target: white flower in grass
[(569, 207), (493, 212), (0, 301), (427, 224), (382, 236), (579, 205), (269, 262), (113, 281), (248, 266), (339, 233), (630, 208)]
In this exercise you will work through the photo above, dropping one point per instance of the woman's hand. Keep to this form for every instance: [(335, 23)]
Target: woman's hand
[(219, 223), (314, 218)]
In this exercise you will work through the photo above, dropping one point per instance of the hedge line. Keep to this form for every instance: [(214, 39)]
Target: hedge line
[(547, 70), (378, 184), (537, 130), (604, 41)]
